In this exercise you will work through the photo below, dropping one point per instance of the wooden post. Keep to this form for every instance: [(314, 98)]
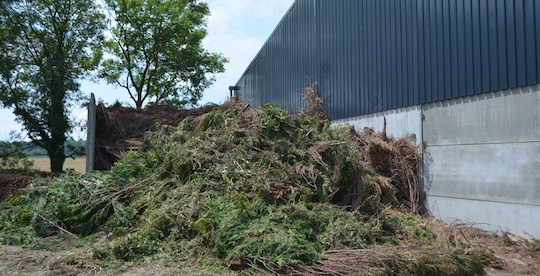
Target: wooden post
[(91, 135)]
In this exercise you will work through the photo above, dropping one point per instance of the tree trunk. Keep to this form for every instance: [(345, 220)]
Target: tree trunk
[(140, 100), (57, 120), (57, 158)]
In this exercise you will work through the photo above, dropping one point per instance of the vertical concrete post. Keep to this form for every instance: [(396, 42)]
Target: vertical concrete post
[(91, 134)]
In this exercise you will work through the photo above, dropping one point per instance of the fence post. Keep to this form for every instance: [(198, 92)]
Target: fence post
[(91, 135)]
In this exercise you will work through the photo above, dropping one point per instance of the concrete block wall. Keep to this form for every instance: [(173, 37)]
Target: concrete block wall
[(483, 156), (399, 122), (484, 159)]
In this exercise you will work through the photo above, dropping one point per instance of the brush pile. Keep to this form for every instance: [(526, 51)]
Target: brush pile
[(120, 129), (254, 189)]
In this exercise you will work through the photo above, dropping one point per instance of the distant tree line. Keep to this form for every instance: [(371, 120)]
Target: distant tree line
[(19, 149)]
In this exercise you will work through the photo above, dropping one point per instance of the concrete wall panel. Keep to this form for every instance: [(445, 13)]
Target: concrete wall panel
[(507, 116), (508, 172), (399, 122), (493, 216), (483, 162)]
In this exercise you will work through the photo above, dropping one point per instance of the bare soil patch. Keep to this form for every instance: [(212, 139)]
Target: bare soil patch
[(13, 181)]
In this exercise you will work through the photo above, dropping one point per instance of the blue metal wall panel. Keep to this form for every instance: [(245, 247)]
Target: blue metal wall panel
[(365, 57), (537, 25), (493, 46), (484, 37), (416, 59), (530, 41), (394, 90), (377, 76), (408, 92), (449, 15), (454, 42), (370, 51), (356, 71), (469, 46), (388, 44), (421, 19), (511, 44), (375, 55), (520, 43), (438, 91), (434, 54), (383, 47), (461, 50), (502, 38)]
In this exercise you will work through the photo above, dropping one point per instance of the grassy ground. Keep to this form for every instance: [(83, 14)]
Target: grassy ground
[(43, 164)]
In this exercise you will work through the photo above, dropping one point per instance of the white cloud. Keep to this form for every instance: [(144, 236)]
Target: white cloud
[(236, 28)]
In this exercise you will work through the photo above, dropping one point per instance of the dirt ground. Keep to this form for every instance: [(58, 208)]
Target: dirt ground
[(17, 260), (14, 181), (516, 255)]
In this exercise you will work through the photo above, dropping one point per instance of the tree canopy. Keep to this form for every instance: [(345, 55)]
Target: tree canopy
[(157, 53), (46, 47)]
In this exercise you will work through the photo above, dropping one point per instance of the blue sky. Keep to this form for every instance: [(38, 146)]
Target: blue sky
[(236, 28)]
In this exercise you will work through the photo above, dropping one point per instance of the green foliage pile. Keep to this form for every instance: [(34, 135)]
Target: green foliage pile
[(252, 188)]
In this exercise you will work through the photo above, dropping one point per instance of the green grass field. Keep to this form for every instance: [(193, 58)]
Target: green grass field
[(42, 163)]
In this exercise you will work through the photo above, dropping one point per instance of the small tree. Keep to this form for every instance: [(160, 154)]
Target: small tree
[(46, 47), (157, 50)]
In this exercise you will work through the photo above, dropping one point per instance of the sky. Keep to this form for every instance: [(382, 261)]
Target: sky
[(236, 28)]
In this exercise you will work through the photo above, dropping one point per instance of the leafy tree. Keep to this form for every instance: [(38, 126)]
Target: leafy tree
[(157, 50), (46, 47)]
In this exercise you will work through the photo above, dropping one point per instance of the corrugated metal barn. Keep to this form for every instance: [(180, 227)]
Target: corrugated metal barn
[(462, 75)]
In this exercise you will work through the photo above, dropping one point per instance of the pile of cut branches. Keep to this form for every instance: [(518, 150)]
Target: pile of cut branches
[(256, 189), (120, 129)]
